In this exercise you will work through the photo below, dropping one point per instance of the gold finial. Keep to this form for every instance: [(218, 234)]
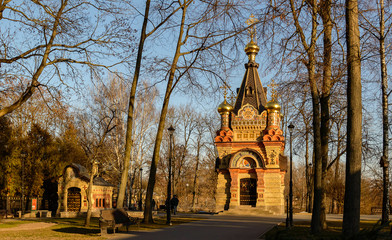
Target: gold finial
[(252, 30), (225, 87), (273, 86), (225, 107)]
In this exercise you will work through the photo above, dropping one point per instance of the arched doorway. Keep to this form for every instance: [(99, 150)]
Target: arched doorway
[(74, 199), (248, 193)]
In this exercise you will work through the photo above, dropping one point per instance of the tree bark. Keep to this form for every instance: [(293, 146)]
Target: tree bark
[(325, 12), (131, 108), (351, 214)]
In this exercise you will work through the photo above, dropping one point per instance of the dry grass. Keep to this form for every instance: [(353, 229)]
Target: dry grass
[(73, 228), (301, 230)]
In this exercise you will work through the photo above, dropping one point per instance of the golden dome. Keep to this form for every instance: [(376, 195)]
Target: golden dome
[(225, 107), (272, 106), (251, 47)]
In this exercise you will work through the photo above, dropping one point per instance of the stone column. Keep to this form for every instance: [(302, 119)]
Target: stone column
[(234, 200), (65, 199), (223, 186), (260, 187)]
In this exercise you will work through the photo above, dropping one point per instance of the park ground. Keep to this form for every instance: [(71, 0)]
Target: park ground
[(190, 226)]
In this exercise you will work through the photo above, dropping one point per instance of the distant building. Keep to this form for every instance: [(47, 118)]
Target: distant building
[(251, 166), (72, 191)]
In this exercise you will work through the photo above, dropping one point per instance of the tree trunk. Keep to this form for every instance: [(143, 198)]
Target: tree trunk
[(129, 137), (196, 172), (324, 101), (352, 197), (308, 175), (385, 123), (131, 184), (151, 181), (336, 178), (311, 68), (89, 200), (317, 189)]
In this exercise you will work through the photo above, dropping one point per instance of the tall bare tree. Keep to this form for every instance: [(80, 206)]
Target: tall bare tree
[(128, 139), (54, 41), (197, 33), (325, 13), (318, 214), (380, 33), (351, 214), (131, 108), (384, 162)]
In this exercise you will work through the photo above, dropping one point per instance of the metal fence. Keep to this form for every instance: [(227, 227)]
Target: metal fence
[(15, 203)]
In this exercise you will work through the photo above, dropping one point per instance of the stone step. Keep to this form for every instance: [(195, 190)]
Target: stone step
[(247, 210)]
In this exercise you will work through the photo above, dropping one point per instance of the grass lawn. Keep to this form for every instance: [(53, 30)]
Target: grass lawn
[(301, 230), (73, 228), (13, 223)]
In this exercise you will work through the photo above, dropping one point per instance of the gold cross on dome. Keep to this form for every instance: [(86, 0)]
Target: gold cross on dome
[(252, 30), (224, 87), (274, 92)]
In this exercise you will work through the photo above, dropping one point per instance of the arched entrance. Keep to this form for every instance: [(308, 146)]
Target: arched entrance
[(248, 192), (74, 199)]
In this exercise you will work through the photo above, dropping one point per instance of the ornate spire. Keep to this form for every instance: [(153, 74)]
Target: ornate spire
[(251, 90)]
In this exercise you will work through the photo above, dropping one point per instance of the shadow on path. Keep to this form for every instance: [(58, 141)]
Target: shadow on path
[(214, 228)]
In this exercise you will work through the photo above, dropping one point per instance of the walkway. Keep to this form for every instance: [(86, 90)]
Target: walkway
[(215, 227)]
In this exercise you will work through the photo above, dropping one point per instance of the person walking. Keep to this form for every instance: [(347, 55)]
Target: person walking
[(153, 204), (174, 203)]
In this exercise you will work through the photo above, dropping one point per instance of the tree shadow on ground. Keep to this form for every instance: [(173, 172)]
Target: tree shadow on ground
[(78, 230)]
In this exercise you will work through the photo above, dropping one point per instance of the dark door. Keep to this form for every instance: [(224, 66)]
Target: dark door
[(74, 200), (248, 194)]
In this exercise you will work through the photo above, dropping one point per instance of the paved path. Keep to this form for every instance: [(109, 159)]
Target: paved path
[(215, 227), (225, 227)]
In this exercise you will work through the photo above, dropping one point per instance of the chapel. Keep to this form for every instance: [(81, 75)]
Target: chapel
[(72, 192), (251, 165)]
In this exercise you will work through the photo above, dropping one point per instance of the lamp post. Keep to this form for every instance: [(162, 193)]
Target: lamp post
[(291, 128), (309, 187), (168, 207), (141, 190), (23, 174)]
